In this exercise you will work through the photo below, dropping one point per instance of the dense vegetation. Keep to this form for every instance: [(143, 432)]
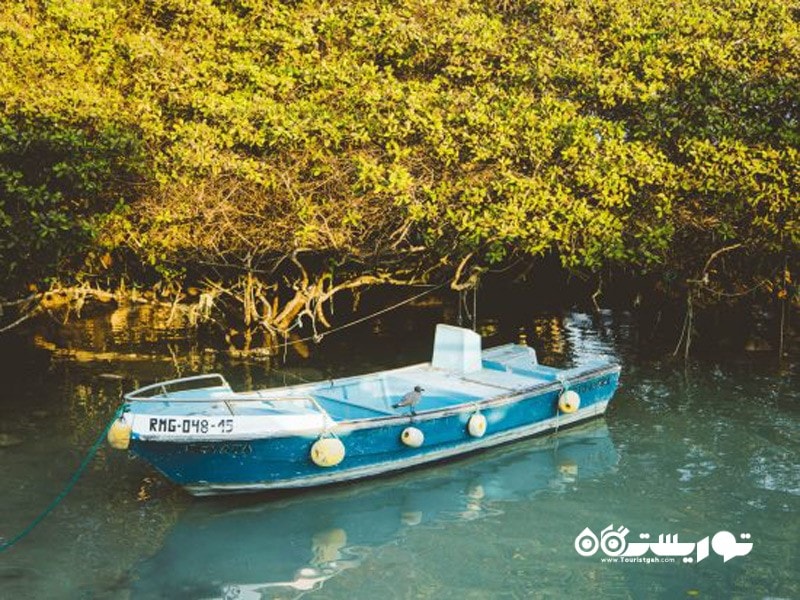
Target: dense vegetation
[(249, 147)]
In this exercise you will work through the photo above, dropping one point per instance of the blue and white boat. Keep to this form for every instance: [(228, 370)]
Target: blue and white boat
[(211, 440)]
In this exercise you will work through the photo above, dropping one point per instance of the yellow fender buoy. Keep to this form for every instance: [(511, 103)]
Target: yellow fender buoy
[(412, 437), (476, 426), (326, 546), (569, 401), (327, 452), (568, 469), (119, 434)]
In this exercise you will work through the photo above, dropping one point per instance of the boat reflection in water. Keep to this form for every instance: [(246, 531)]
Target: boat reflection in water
[(286, 546)]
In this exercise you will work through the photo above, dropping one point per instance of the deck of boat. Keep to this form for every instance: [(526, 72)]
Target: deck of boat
[(504, 370)]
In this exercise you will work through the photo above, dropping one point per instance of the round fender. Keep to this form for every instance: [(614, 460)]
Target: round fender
[(119, 434), (412, 437), (327, 452), (569, 402), (476, 426)]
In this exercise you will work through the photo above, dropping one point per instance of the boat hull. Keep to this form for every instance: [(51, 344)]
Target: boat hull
[(249, 463)]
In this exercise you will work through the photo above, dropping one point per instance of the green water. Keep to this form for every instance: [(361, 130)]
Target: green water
[(692, 451)]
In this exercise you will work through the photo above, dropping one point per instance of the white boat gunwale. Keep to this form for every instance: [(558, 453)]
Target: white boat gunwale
[(257, 395), (346, 425)]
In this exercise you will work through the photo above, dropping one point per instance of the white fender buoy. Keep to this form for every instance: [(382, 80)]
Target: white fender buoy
[(569, 402), (568, 469), (476, 426), (326, 545), (411, 517), (327, 452), (412, 437), (119, 434)]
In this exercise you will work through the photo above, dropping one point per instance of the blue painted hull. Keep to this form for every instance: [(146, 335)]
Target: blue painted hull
[(373, 445)]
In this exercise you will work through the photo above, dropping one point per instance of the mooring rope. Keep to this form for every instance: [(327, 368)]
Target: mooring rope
[(318, 337), (6, 545)]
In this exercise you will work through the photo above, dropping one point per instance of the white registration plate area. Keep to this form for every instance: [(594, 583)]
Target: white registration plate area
[(189, 425)]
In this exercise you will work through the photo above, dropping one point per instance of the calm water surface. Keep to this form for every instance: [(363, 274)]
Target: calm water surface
[(688, 451)]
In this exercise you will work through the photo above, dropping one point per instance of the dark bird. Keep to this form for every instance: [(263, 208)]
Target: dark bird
[(411, 399)]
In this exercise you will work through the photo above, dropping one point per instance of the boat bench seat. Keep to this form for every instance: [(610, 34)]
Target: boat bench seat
[(510, 380), (541, 372), (343, 410), (366, 398)]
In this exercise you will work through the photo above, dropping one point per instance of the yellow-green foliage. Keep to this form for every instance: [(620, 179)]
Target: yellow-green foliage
[(638, 133)]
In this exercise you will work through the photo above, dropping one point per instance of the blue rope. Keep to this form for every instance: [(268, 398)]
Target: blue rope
[(68, 488)]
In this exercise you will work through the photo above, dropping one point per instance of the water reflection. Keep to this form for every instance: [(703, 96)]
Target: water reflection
[(285, 547), (574, 339)]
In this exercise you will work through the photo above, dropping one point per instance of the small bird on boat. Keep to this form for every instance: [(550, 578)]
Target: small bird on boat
[(411, 399)]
